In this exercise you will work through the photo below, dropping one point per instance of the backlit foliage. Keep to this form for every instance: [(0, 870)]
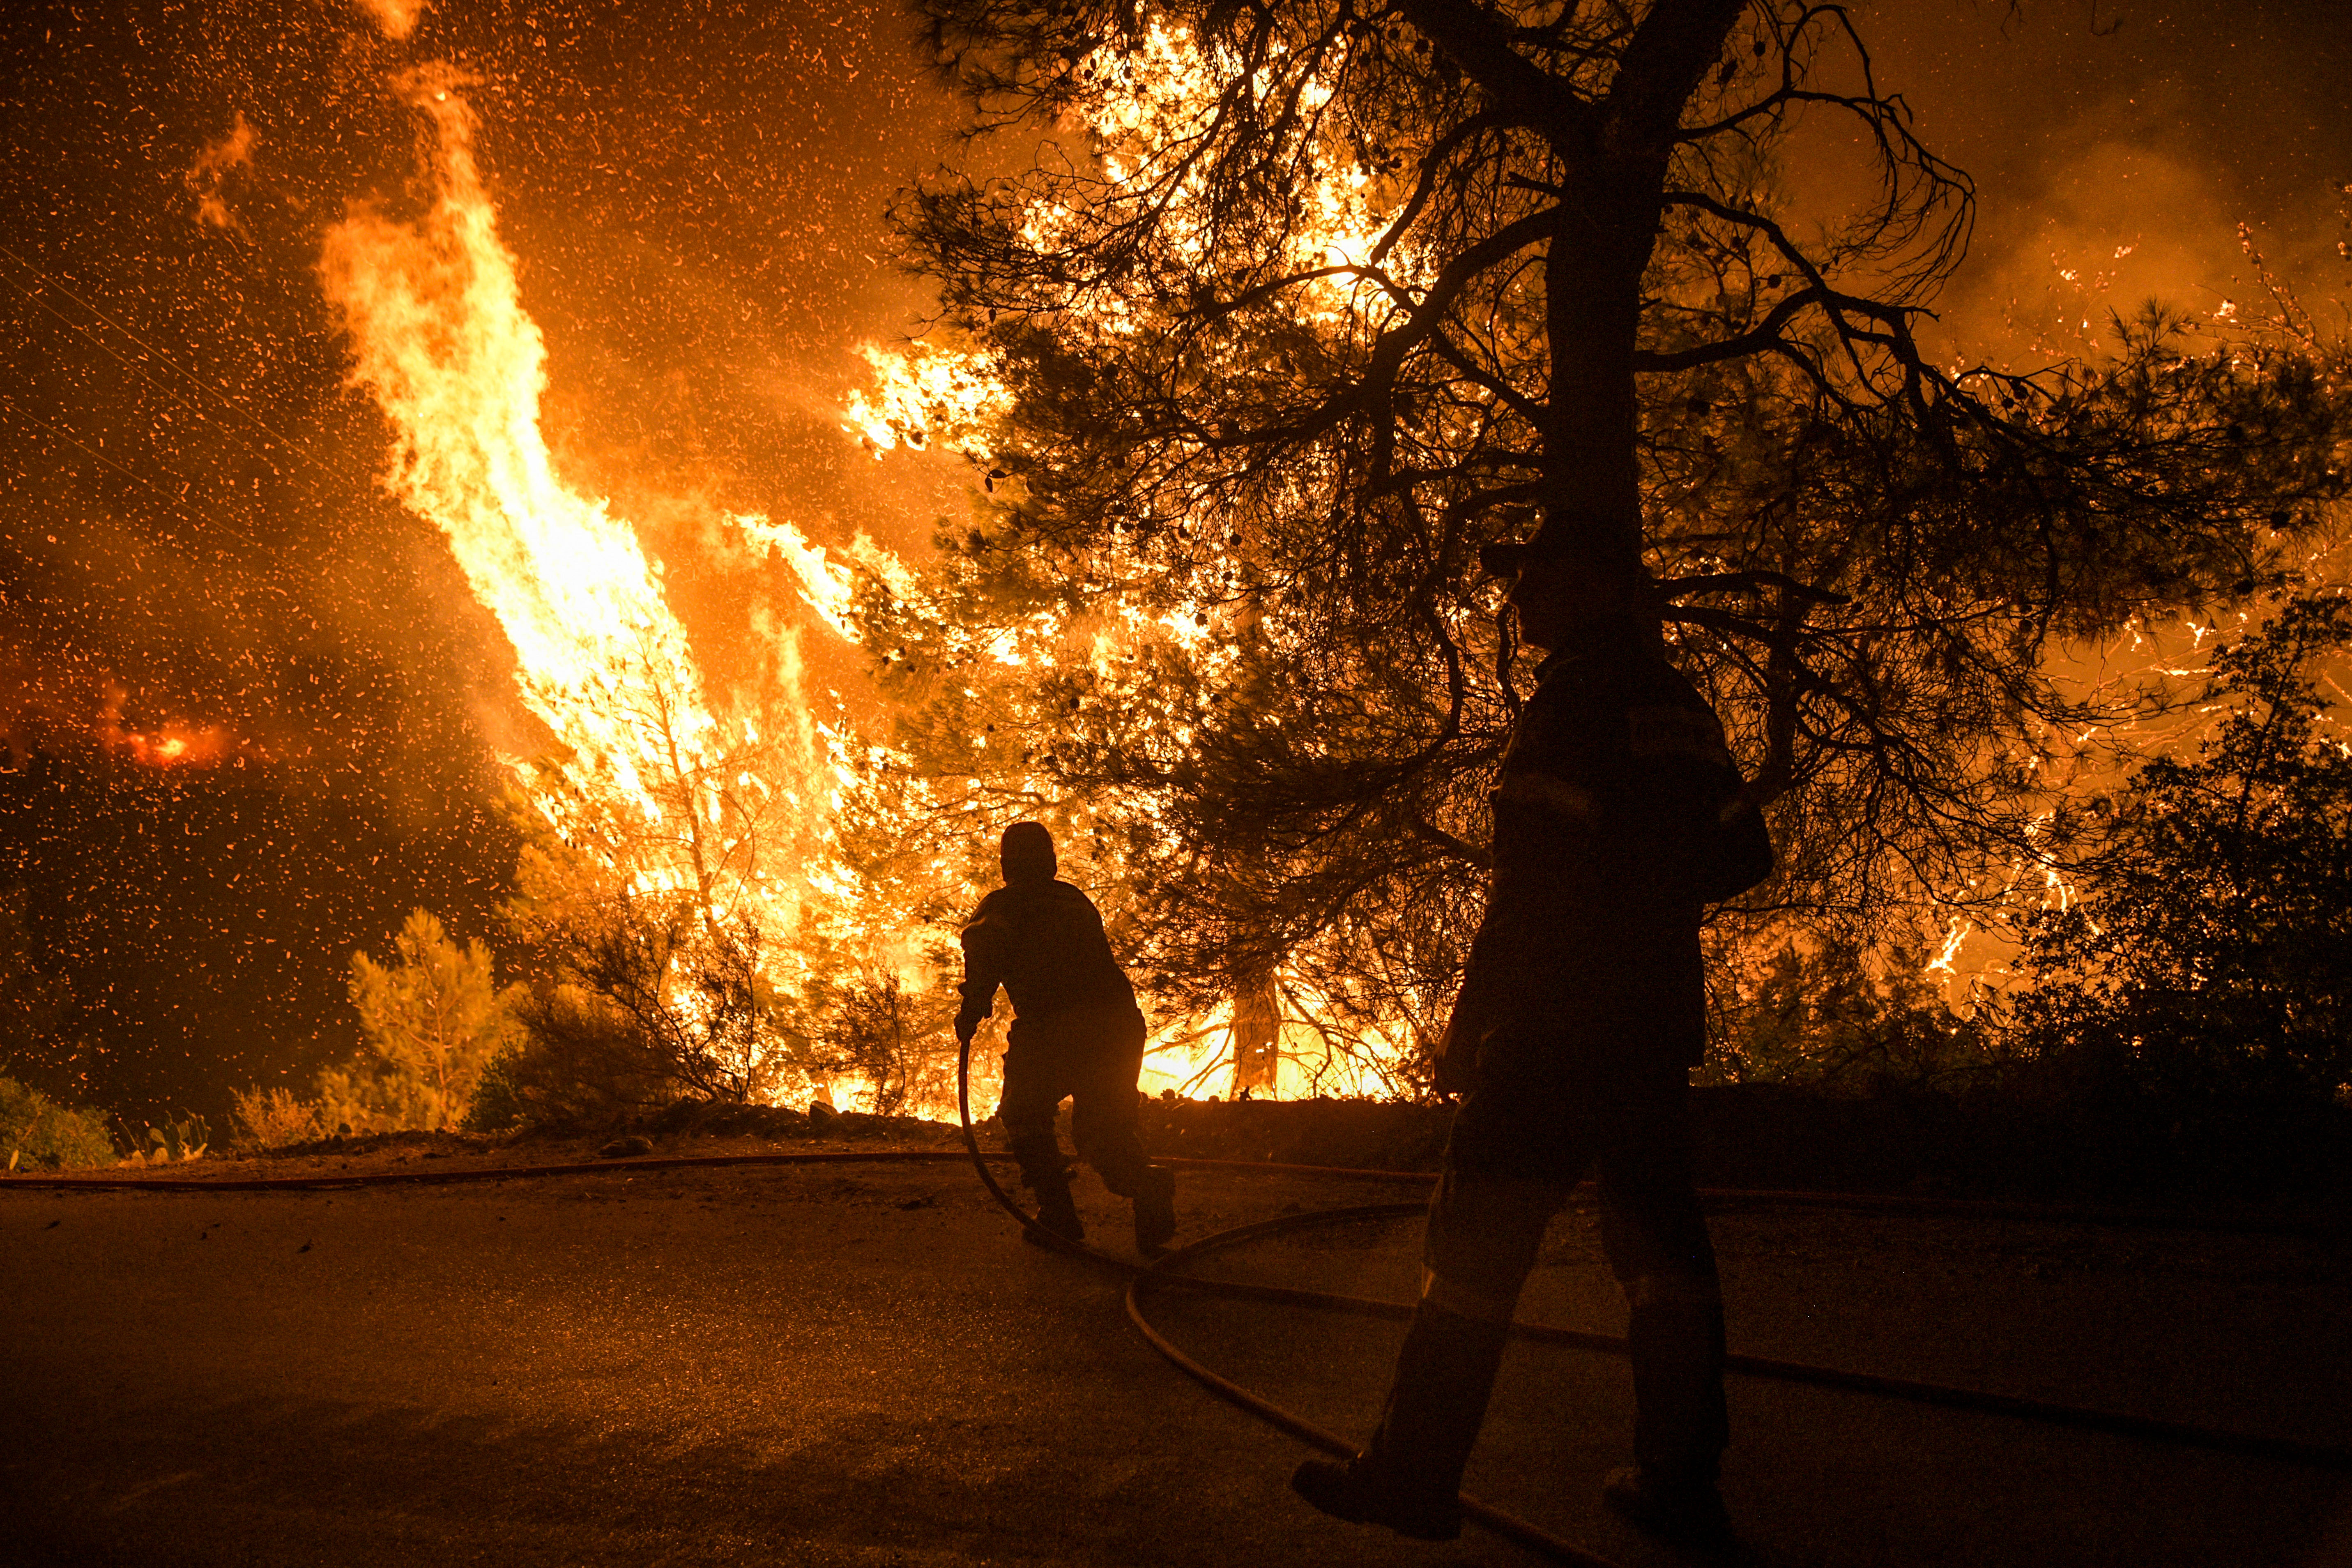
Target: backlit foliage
[(2212, 954), (36, 1133), (1301, 303), (432, 1017)]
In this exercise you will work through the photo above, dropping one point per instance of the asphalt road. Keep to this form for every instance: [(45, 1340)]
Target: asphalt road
[(861, 1366)]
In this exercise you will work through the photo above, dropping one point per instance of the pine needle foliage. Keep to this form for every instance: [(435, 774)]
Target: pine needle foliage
[(2211, 956), (432, 1017), (1303, 301)]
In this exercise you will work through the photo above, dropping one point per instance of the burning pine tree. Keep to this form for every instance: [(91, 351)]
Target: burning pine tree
[(1303, 303)]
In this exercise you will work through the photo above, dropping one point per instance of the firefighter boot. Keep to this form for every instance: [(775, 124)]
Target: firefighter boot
[(1348, 1491), (1679, 1506), (1048, 1175), (1410, 1477), (1056, 1213), (1155, 1210), (1675, 1334)]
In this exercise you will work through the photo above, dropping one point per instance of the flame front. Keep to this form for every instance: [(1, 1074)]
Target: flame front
[(440, 336), (644, 777)]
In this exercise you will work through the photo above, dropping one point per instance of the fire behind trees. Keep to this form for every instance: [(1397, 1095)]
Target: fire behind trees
[(2213, 956), (1308, 301), (1230, 420)]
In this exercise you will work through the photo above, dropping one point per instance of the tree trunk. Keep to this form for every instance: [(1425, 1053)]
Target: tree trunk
[(1592, 305), (1593, 267), (1257, 1033)]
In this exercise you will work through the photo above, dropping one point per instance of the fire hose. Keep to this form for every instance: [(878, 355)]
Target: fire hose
[(1166, 1274)]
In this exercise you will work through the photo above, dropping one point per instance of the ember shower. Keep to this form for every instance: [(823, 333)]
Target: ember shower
[(643, 776), (230, 130)]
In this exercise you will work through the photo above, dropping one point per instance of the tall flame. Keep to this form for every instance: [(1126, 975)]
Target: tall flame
[(440, 336)]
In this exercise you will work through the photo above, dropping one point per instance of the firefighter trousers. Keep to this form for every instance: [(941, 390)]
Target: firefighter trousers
[(1090, 1056), (1521, 1142)]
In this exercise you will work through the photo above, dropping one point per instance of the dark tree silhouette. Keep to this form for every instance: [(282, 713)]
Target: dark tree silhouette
[(1301, 303), (2212, 952)]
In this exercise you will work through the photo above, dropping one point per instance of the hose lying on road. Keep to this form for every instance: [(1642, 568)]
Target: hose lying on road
[(1508, 1525), (1717, 1199), (2321, 1455), (1165, 1275)]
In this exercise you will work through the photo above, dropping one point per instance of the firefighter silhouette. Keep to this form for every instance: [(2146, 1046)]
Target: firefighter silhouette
[(1077, 1034)]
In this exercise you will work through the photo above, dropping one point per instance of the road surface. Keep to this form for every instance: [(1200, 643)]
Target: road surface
[(860, 1365)]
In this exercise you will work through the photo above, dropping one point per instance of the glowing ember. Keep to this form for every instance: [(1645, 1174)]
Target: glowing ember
[(91, 712), (173, 746)]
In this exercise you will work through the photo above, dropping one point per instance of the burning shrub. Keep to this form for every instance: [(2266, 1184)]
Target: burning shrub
[(433, 1019), (649, 999), (581, 1060), (901, 1045), (272, 1118), (37, 1134)]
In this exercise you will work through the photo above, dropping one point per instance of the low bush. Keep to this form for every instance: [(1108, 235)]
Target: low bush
[(37, 1134), (582, 1061), (432, 1017), (900, 1043), (1837, 1021), (644, 998), (498, 1104), (272, 1118)]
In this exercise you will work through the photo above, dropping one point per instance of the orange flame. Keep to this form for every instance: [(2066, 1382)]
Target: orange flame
[(177, 745), (91, 713), (441, 339), (439, 335)]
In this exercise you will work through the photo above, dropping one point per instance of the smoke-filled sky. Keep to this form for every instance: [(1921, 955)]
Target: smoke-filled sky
[(2149, 130), (194, 551)]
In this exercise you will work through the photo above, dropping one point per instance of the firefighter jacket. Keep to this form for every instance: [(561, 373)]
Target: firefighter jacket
[(1619, 813), (1044, 942)]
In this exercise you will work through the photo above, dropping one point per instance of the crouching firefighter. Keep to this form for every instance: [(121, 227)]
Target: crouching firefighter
[(1618, 815), (1077, 1034)]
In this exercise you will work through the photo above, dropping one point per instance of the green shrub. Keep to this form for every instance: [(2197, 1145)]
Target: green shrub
[(432, 1018), (37, 1134), (498, 1105)]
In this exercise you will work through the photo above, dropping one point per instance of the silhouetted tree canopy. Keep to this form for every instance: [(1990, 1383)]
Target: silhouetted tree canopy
[(2212, 952), (1299, 304)]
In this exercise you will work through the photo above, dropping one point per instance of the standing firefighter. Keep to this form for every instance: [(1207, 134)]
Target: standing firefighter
[(1077, 1033), (1618, 815)]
